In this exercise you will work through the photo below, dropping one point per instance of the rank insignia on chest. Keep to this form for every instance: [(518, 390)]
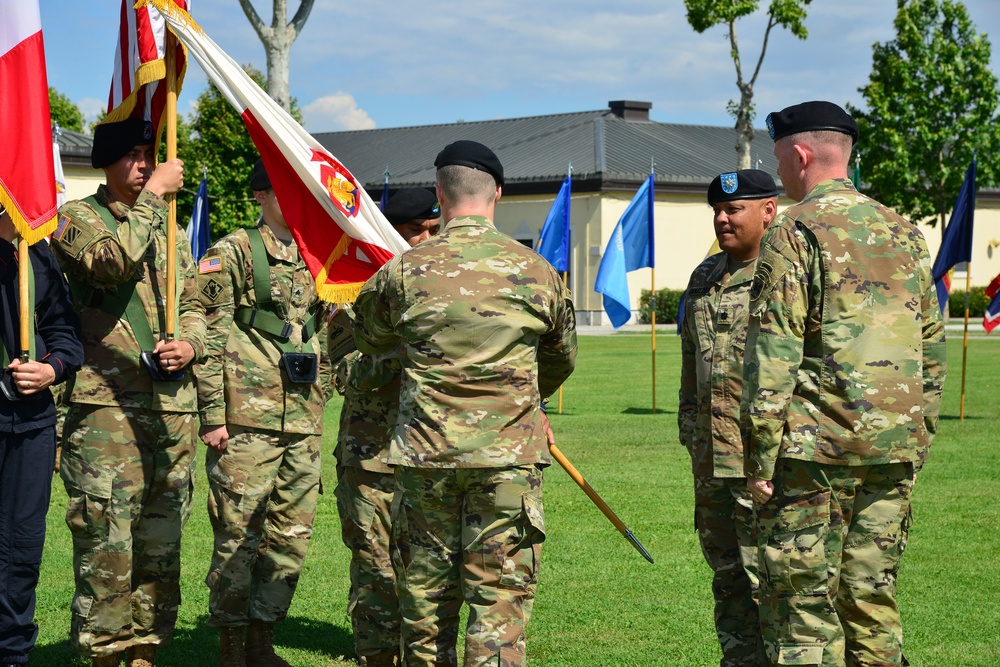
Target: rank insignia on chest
[(210, 265), (212, 289)]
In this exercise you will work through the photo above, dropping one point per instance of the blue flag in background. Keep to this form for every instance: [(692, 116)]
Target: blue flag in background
[(956, 246), (553, 244), (197, 231), (630, 248)]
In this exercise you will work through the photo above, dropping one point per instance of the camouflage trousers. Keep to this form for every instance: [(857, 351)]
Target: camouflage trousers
[(364, 499), (263, 491), (831, 540), (723, 517), (129, 474), (472, 534)]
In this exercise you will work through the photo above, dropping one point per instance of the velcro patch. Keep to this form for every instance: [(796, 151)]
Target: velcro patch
[(73, 235), (211, 290), (771, 267), (210, 265)]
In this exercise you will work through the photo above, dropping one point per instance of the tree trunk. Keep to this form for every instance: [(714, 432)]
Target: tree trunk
[(277, 68), (744, 128)]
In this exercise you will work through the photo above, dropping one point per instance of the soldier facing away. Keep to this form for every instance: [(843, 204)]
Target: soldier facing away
[(261, 394), (843, 374), (365, 482), (129, 440), (487, 331), (713, 337)]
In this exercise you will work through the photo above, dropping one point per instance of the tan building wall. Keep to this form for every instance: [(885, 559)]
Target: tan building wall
[(684, 236)]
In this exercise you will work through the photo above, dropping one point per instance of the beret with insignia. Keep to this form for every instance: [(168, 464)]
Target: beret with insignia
[(742, 184), (259, 179), (811, 117), (471, 154), (113, 140), (412, 204)]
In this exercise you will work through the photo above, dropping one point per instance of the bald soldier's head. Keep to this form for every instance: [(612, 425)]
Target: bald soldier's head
[(813, 143)]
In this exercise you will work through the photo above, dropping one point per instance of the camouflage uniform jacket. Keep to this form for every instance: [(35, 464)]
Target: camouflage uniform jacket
[(487, 329), (371, 405), (242, 381), (845, 354), (713, 337), (92, 254)]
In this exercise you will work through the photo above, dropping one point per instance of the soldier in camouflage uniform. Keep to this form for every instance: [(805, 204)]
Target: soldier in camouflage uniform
[(364, 481), (713, 336), (488, 331), (263, 423), (129, 441), (843, 374)]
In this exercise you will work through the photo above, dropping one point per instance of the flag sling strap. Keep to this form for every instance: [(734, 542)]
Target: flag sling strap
[(262, 318), (125, 303), (4, 358)]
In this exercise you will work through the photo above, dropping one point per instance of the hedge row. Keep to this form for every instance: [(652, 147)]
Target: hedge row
[(667, 302), (978, 301)]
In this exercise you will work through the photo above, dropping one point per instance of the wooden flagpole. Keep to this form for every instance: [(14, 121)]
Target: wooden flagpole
[(569, 174), (652, 278), (26, 308), (965, 340), (171, 48)]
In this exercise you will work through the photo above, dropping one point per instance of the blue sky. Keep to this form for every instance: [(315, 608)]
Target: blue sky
[(379, 63)]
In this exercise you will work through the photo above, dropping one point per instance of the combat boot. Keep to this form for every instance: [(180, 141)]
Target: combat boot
[(140, 655), (383, 659), (113, 660), (231, 650), (260, 646)]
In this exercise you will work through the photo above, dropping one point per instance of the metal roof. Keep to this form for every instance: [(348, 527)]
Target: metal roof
[(606, 151)]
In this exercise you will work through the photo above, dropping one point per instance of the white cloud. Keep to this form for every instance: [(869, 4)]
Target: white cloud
[(91, 107), (336, 112)]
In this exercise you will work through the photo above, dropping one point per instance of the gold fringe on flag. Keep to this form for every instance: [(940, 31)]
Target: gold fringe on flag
[(24, 229)]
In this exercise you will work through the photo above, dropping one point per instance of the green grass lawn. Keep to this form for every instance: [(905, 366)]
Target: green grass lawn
[(599, 602)]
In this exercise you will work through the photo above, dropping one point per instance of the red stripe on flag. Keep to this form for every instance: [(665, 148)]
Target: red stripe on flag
[(26, 142), (315, 232), (994, 287)]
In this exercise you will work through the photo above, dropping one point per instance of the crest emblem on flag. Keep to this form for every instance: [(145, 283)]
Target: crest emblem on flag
[(729, 183), (339, 183)]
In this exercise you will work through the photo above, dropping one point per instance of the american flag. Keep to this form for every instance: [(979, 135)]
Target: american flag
[(140, 64)]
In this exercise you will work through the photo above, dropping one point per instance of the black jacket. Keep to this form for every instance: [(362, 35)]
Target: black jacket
[(57, 333)]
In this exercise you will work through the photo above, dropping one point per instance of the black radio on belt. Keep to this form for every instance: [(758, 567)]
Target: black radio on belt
[(301, 367)]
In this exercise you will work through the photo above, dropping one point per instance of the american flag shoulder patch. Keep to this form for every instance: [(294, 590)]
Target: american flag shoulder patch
[(61, 228), (210, 265)]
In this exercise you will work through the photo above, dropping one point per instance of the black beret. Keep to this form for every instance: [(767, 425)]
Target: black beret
[(471, 154), (258, 178), (412, 204), (114, 140), (742, 184), (810, 117)]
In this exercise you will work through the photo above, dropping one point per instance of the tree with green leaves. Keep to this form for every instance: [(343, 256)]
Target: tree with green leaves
[(705, 14), (214, 141), (64, 113), (932, 104)]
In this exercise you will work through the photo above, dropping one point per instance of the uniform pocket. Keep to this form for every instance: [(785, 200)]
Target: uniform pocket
[(519, 568), (795, 531), (225, 473)]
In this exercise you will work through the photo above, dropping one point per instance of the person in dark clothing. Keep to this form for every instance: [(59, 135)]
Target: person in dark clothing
[(27, 432)]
